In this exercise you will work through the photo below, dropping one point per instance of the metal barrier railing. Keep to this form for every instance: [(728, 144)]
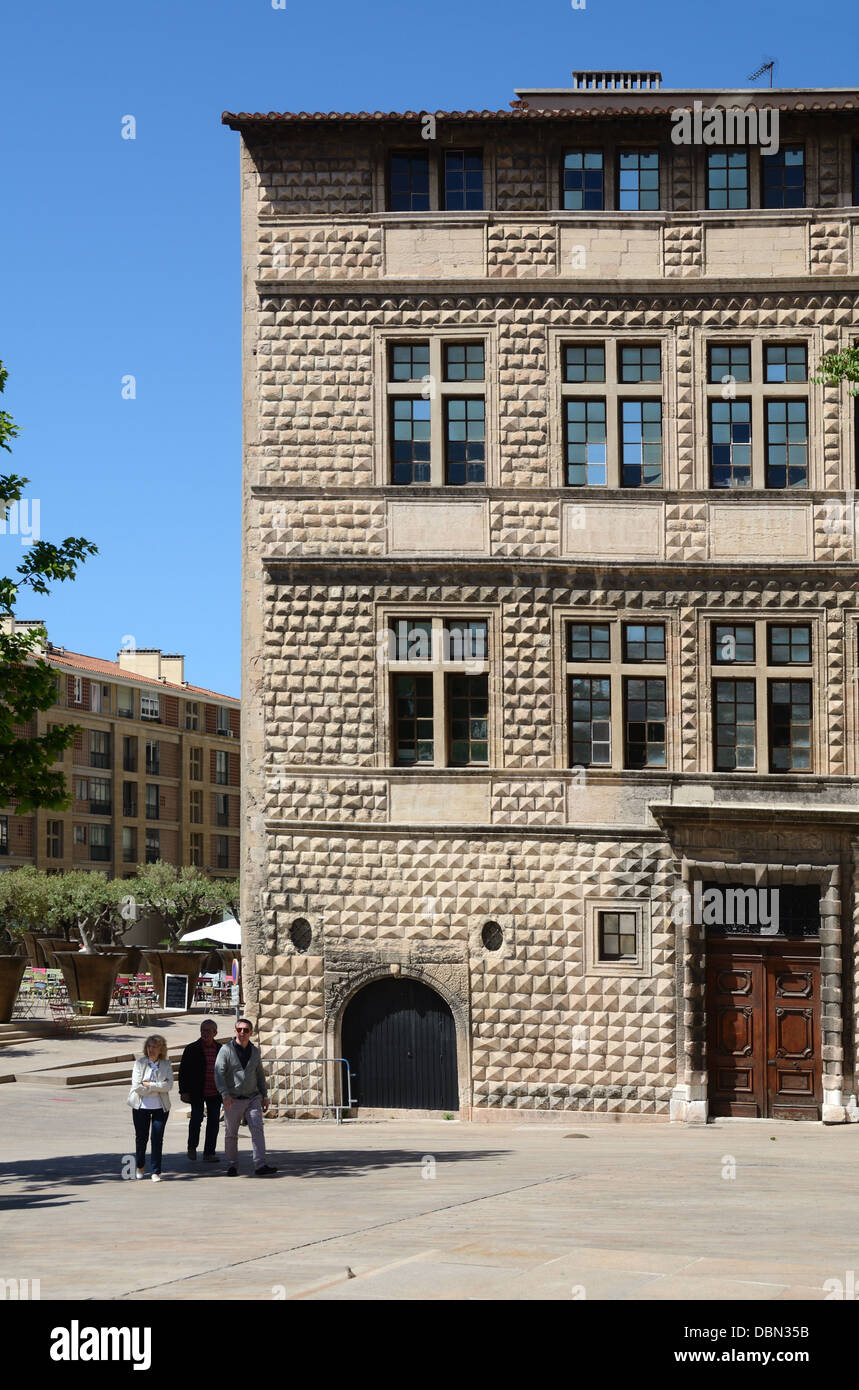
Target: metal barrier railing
[(297, 1084)]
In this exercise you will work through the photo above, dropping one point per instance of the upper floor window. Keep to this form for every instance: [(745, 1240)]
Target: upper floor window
[(99, 749), (638, 180), (783, 178), (440, 698), (582, 180), (192, 715), (760, 437), (462, 175), (409, 181), (124, 702), (77, 690), (222, 721), (616, 694), (195, 764), (438, 436), (53, 839), (612, 439), (4, 834), (728, 179), (150, 706), (768, 708), (222, 768)]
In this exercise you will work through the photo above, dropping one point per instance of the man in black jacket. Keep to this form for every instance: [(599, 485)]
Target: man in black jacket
[(197, 1087)]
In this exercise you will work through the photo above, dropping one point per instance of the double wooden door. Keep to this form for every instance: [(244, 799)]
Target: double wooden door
[(763, 1028)]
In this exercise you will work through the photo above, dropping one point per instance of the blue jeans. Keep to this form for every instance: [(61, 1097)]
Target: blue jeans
[(142, 1120)]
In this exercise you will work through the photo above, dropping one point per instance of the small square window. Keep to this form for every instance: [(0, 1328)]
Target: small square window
[(733, 644), (618, 936), (790, 645), (786, 362), (464, 362), (641, 363), (588, 642), (582, 180), (408, 361), (463, 180), (466, 640), (730, 360), (410, 641), (644, 641), (584, 362)]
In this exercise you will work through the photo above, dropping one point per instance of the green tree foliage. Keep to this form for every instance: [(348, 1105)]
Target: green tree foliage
[(28, 684), (835, 367), (183, 898)]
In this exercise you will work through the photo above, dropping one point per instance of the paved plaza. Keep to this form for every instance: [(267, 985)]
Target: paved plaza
[(428, 1209)]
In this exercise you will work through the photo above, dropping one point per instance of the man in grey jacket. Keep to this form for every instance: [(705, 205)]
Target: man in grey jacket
[(240, 1080)]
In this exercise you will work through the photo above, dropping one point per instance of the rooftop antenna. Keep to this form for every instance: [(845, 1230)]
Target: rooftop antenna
[(759, 72)]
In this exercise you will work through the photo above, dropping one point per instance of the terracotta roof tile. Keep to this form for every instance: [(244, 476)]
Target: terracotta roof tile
[(76, 661)]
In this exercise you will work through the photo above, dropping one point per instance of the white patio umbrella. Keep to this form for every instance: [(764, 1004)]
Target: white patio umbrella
[(229, 933)]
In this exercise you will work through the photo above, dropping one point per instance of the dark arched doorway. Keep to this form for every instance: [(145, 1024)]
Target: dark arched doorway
[(400, 1042)]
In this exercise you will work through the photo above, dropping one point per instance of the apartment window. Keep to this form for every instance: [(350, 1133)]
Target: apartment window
[(192, 715), (129, 799), (611, 439), (641, 436), (582, 181), (99, 842), (735, 723), (124, 702), (99, 796), (468, 715), (129, 844), (221, 845), (618, 936), (82, 789), (465, 441), (150, 706), (462, 180), (408, 361), (728, 179), (195, 764), (464, 362), (222, 768), (790, 726), (153, 846), (53, 839), (787, 443), (153, 756), (222, 725), (439, 436), (733, 643), (761, 440), (95, 697), (440, 692), (129, 754), (195, 849), (60, 684), (588, 642), (590, 721), (413, 720), (411, 440), (585, 439), (195, 807), (644, 641), (4, 834), (584, 362), (785, 362), (642, 363), (730, 444), (766, 707), (222, 808), (152, 801), (78, 690), (616, 732), (638, 181), (99, 749), (732, 360), (783, 178), (80, 835), (644, 722), (409, 182)]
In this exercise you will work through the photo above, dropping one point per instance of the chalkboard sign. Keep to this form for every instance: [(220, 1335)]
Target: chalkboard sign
[(176, 992)]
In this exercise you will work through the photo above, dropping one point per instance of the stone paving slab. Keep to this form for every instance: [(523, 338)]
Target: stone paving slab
[(512, 1213)]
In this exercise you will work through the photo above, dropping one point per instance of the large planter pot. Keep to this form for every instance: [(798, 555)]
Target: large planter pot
[(40, 949), (11, 974), (91, 976), (161, 963)]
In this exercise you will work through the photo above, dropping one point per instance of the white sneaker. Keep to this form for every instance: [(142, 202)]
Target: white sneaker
[(156, 1177), (140, 1174)]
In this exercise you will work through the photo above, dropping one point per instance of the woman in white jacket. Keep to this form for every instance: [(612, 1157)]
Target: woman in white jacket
[(151, 1080)]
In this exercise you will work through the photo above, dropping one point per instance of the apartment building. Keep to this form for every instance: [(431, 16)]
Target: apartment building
[(154, 770), (551, 782)]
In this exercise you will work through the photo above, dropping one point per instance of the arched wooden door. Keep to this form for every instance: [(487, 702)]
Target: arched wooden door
[(400, 1042)]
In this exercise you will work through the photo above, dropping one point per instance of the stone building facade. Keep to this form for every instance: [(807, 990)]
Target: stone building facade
[(537, 382)]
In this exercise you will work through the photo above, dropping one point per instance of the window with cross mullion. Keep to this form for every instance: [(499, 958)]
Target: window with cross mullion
[(439, 690), (437, 436)]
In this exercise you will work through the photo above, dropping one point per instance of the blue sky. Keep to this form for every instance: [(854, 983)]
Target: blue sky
[(121, 257)]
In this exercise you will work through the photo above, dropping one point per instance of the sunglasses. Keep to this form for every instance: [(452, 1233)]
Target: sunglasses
[(243, 1030)]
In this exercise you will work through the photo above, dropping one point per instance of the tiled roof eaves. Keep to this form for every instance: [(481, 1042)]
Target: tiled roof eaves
[(237, 120), (94, 665)]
